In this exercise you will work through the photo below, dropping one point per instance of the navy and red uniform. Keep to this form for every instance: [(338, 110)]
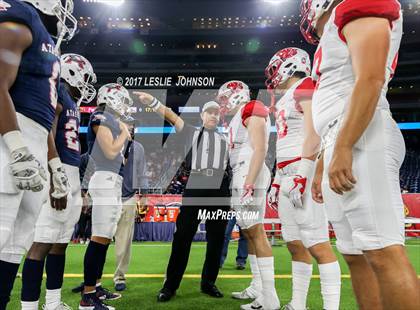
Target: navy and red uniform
[(67, 135), (34, 92), (102, 163)]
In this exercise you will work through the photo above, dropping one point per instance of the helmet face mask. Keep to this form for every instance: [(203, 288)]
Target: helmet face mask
[(77, 71), (311, 11), (117, 98), (67, 23)]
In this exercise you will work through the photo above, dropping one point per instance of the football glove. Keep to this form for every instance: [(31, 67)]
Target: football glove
[(27, 171), (59, 179), (294, 186), (273, 194), (247, 195)]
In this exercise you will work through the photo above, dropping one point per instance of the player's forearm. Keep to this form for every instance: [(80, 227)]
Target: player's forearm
[(256, 164), (116, 146), (8, 120), (172, 118), (362, 107), (311, 146)]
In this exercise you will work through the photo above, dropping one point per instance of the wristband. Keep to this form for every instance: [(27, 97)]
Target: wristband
[(14, 140), (55, 164), (155, 105)]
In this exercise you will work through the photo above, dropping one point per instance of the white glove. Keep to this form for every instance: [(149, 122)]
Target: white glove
[(59, 179), (273, 194), (294, 186), (26, 170), (247, 195)]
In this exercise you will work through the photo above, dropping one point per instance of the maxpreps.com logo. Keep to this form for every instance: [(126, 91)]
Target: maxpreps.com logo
[(4, 6)]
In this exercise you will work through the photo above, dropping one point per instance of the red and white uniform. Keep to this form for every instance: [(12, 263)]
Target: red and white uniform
[(371, 215), (289, 120), (332, 66), (308, 224), (240, 152)]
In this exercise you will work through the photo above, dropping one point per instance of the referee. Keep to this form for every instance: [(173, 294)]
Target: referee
[(207, 190)]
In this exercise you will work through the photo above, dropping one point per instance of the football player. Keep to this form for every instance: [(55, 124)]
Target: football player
[(304, 224), (55, 226), (248, 134), (107, 139), (30, 69), (358, 43)]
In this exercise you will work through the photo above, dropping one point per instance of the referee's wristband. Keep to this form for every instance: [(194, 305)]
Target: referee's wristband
[(155, 105)]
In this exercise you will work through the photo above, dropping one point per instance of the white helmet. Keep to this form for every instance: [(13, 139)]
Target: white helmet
[(231, 94), (78, 72), (284, 64), (67, 23), (115, 97), (311, 11)]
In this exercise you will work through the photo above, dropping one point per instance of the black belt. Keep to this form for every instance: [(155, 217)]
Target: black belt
[(207, 172)]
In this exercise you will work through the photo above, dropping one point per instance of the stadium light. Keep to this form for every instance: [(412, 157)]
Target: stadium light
[(107, 2), (275, 2)]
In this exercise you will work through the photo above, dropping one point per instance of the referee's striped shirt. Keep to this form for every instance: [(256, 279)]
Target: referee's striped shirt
[(206, 149)]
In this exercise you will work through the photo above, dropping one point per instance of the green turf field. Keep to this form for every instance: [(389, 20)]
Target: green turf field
[(149, 264)]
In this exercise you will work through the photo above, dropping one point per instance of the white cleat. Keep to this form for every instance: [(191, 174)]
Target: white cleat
[(248, 293), (252, 306), (61, 306)]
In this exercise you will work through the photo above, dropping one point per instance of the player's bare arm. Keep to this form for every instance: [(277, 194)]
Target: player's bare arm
[(317, 181), (257, 135), (164, 112), (109, 146), (16, 38), (311, 142), (368, 40)]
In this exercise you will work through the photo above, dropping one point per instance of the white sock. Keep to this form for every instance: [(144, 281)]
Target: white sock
[(29, 305), (301, 278), (256, 284), (330, 275), (270, 299), (53, 298)]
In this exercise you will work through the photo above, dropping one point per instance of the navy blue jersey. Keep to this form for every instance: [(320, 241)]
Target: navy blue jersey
[(34, 92), (67, 135), (104, 118)]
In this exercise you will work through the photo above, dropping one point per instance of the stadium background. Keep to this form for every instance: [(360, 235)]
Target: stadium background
[(224, 40)]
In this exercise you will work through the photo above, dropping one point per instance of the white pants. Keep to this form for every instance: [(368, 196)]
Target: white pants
[(371, 216), (19, 209), (105, 191), (57, 226), (248, 216), (308, 224)]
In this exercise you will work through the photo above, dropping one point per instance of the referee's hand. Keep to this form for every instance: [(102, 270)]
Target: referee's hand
[(144, 98)]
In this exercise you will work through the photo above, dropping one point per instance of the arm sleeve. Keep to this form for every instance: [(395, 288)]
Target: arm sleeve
[(350, 10), (304, 91), (254, 108)]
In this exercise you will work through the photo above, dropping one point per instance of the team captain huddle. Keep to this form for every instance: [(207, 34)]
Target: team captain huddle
[(338, 154)]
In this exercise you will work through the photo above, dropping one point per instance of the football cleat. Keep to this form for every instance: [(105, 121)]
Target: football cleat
[(104, 294), (61, 306), (248, 293), (92, 302)]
